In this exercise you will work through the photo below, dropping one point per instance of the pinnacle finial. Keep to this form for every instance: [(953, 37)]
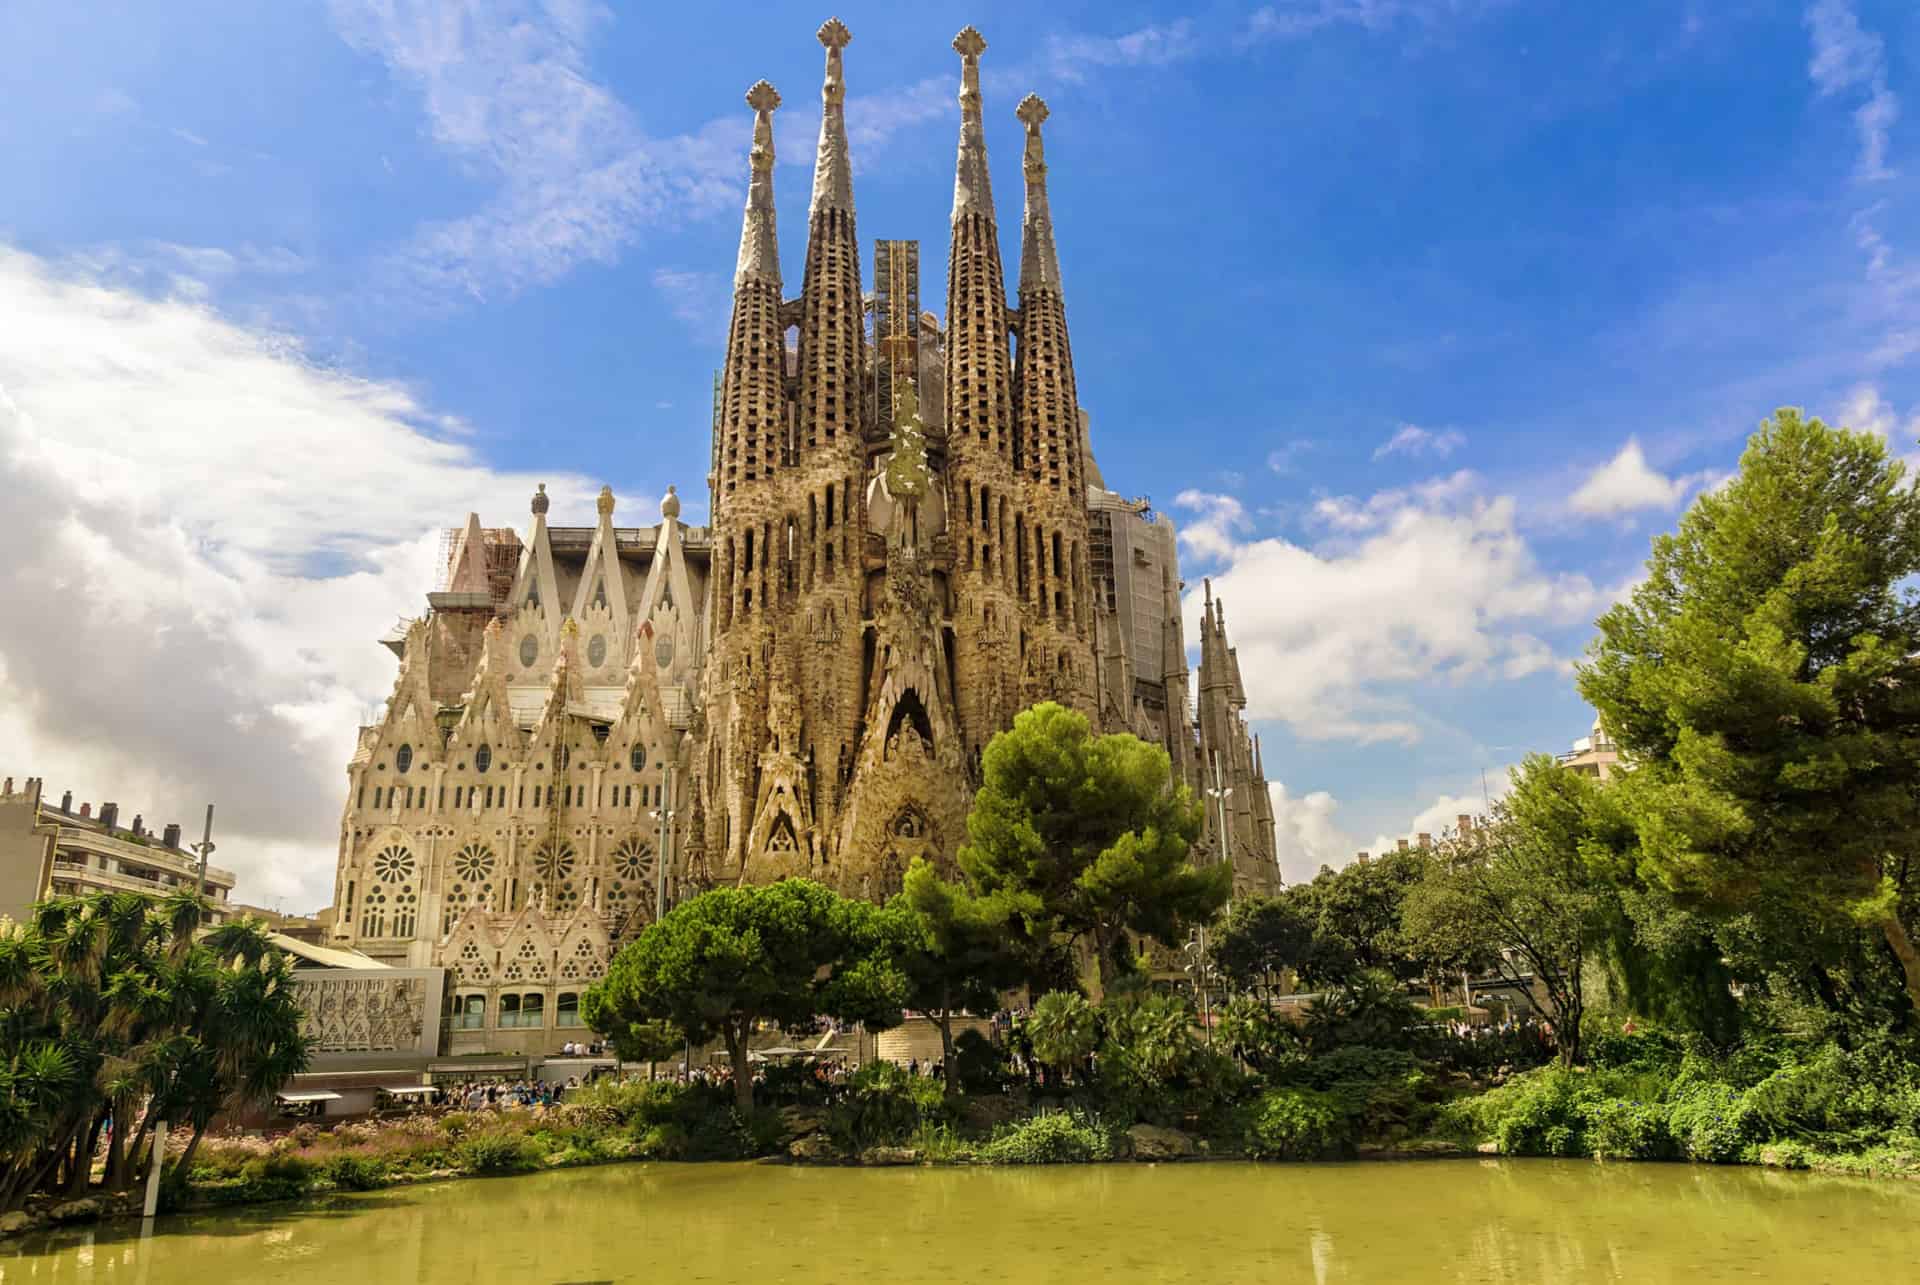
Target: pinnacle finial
[(832, 171), (1032, 111), (763, 97), (540, 501), (604, 504), (759, 249), (972, 189)]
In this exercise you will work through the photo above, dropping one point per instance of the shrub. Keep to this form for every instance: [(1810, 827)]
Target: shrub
[(351, 1172), (1050, 1138), (497, 1151), (882, 1106), (1709, 1120), (1644, 1049), (1537, 1114), (1296, 1124), (1618, 1129)]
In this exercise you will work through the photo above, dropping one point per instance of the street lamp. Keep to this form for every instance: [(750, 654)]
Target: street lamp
[(1200, 968), (664, 814)]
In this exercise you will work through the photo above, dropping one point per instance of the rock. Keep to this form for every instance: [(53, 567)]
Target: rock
[(816, 1148), (800, 1121), (1431, 1147), (1488, 1148), (1151, 1142), (890, 1156), (16, 1222), (985, 1114), (75, 1211)]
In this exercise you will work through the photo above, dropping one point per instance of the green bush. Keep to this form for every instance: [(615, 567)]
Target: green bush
[(351, 1172), (882, 1106), (1710, 1121), (497, 1151), (1618, 1129), (1296, 1124), (1644, 1049), (1050, 1138), (1537, 1114)]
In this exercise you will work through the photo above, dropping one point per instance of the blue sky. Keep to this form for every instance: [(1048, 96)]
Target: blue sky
[(1419, 317)]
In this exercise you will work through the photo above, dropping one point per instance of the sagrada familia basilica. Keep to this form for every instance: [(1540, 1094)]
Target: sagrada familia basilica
[(909, 543)]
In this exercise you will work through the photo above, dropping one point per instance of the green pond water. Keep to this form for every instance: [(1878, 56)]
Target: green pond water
[(1488, 1222)]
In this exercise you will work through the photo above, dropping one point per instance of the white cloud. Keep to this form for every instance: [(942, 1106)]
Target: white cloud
[(1415, 585), (1442, 816), (1412, 440), (1865, 410), (1306, 836), (1627, 482), (1215, 532), (205, 534)]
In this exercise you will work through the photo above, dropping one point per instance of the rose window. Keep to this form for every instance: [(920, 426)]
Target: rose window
[(554, 862), (393, 865), (633, 859), (473, 863)]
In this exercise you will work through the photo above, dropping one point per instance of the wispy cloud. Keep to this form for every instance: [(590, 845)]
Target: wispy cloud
[(1846, 56), (700, 300), (1416, 442), (1294, 19), (1285, 458)]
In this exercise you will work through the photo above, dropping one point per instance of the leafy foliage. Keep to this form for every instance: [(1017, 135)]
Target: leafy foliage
[(115, 1004), (1081, 839), (1765, 681), (718, 963)]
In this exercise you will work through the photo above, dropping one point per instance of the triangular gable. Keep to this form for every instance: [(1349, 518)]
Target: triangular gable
[(535, 581), (469, 567)]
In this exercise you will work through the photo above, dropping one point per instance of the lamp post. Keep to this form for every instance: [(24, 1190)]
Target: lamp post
[(663, 853)]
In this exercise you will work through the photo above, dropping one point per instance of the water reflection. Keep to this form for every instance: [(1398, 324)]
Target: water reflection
[(1488, 1222)]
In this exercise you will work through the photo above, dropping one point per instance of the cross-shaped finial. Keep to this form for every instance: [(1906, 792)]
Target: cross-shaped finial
[(833, 34), (969, 43), (763, 97), (1031, 111)]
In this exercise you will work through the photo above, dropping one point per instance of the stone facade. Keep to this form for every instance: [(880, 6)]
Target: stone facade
[(910, 543)]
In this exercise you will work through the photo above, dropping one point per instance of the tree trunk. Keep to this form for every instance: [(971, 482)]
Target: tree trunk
[(185, 1159), (1903, 949), (742, 1069), (946, 1046), (84, 1147)]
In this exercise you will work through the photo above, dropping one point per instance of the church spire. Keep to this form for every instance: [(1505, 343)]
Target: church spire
[(832, 332), (759, 245), (979, 389), (1046, 420), (972, 188), (832, 173), (1039, 263), (750, 430)]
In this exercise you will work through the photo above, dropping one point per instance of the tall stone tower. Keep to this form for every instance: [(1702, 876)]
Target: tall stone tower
[(909, 542)]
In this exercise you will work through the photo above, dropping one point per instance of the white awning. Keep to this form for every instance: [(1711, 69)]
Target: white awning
[(315, 1096), (406, 1090)]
